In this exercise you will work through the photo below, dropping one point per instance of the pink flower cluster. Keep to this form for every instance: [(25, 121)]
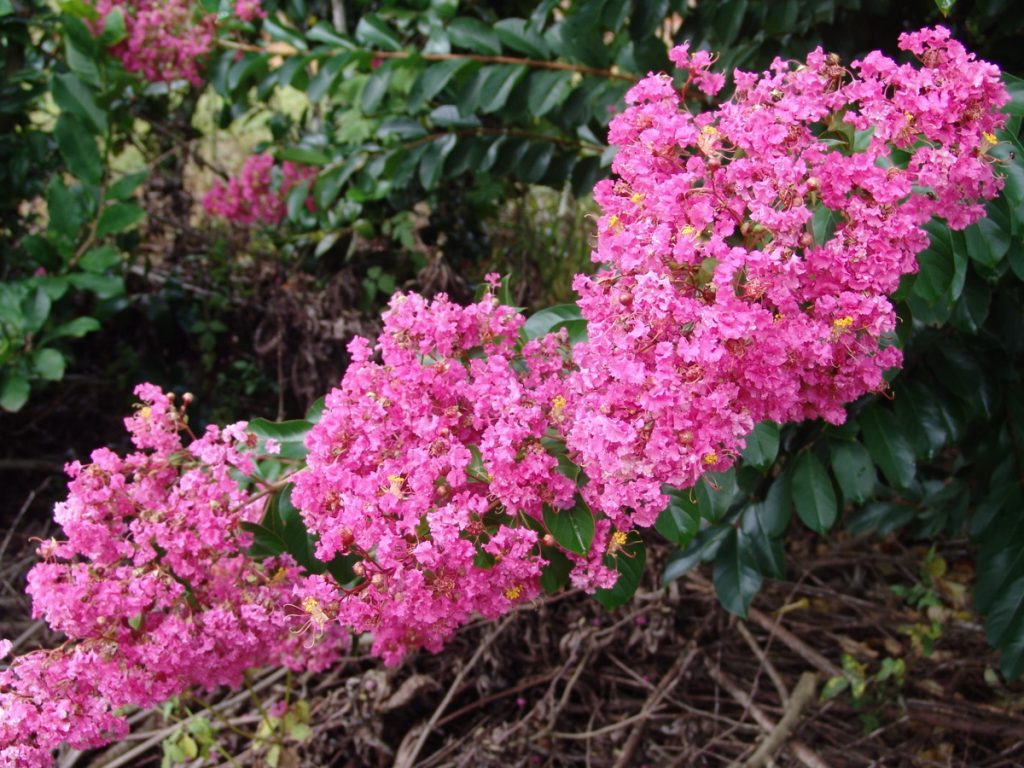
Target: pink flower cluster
[(165, 39), (259, 193), (747, 254), (430, 466), (724, 299), (153, 588), (249, 10)]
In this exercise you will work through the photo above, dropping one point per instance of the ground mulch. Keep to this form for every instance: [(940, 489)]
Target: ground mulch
[(670, 679)]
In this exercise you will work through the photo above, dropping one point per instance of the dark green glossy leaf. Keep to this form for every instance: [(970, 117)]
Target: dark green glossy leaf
[(516, 35), (100, 259), (14, 390), (888, 446), (736, 580), (48, 364), (1004, 629), (278, 31), (374, 32), (680, 520), (473, 35), (573, 528), (555, 573), (548, 88), (74, 96), (716, 494), (629, 561), (498, 85), (432, 80), (78, 148), (375, 89), (854, 471), (813, 495), (124, 187), (118, 218), (541, 323), (282, 431), (762, 445), (987, 242)]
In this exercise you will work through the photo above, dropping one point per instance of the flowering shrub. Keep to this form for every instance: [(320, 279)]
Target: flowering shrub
[(747, 253), (259, 194)]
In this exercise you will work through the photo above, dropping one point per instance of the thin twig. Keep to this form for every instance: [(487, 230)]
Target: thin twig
[(802, 695), (408, 759)]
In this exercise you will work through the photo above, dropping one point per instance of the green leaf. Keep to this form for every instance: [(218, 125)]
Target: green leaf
[(114, 30), (548, 88), (716, 493), (854, 471), (888, 446), (100, 259), (941, 268), (762, 446), (48, 364), (518, 36), (763, 550), (14, 390), (282, 431), (555, 573), (1004, 629), (813, 494), (432, 80), (629, 561), (125, 187), (919, 417), (573, 528), (316, 410), (736, 581), (1015, 87), (64, 209), (5, 8), (432, 161), (823, 224), (322, 32), (680, 520), (531, 169), (987, 242), (75, 329), (375, 89), (374, 32), (474, 35), (35, 308), (833, 687), (74, 96), (78, 148), (119, 217), (103, 286), (541, 323), (498, 85), (278, 31)]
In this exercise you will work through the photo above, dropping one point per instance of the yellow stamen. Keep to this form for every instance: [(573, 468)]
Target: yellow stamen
[(513, 593), (688, 230), (146, 412), (710, 458), (637, 198), (618, 541)]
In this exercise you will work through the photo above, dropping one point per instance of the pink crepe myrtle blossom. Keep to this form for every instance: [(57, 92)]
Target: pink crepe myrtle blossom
[(259, 193), (165, 40)]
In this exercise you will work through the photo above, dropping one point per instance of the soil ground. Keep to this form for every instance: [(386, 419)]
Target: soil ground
[(670, 679)]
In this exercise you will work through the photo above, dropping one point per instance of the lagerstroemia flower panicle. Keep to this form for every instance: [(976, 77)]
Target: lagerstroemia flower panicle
[(259, 193), (747, 253), (153, 587)]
